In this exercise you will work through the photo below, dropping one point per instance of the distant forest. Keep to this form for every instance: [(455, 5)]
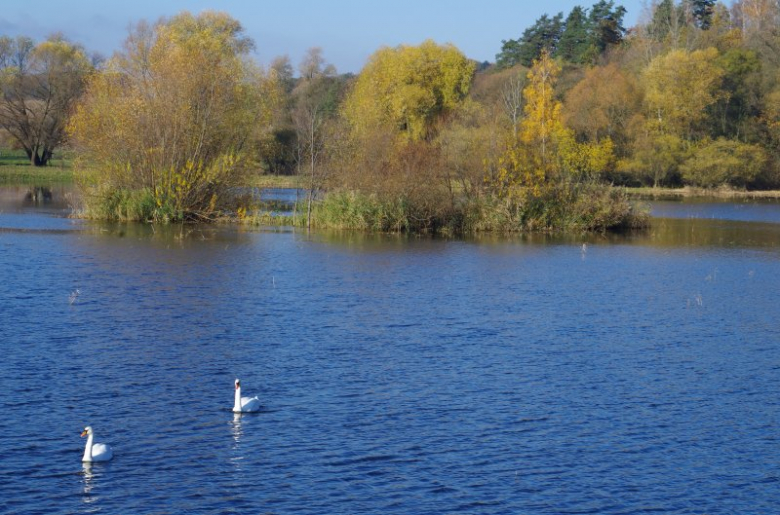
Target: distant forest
[(689, 96)]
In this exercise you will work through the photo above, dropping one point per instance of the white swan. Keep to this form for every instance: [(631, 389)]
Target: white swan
[(244, 404), (95, 452)]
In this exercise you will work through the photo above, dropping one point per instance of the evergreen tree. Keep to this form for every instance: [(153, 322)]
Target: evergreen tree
[(663, 18), (606, 23), (576, 38), (543, 35), (702, 11)]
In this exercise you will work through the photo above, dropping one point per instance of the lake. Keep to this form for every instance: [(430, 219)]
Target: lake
[(618, 374)]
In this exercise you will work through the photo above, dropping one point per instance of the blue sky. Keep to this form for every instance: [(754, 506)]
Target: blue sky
[(347, 30)]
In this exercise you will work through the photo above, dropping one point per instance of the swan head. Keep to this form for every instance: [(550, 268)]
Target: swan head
[(87, 431), (238, 384)]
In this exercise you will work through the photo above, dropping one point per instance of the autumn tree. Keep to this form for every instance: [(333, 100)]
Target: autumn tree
[(655, 157), (285, 74), (512, 100), (395, 111), (39, 85), (408, 88), (602, 105), (546, 179), (681, 92), (530, 163), (316, 100), (723, 162), (170, 118), (679, 88)]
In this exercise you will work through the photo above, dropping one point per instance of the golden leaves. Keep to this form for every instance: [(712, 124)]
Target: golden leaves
[(405, 89), (177, 107)]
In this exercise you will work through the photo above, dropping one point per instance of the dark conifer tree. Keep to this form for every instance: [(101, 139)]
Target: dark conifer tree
[(575, 39), (542, 35)]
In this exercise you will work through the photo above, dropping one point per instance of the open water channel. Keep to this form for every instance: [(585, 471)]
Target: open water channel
[(621, 374)]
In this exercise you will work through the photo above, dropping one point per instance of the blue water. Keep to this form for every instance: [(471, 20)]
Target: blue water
[(765, 210), (635, 374)]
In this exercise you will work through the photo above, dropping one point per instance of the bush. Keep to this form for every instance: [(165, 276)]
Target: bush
[(719, 162)]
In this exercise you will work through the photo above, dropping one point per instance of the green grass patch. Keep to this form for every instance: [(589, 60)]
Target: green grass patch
[(26, 174), (16, 170)]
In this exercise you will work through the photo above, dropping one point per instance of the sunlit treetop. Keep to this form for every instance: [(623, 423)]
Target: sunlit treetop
[(407, 88)]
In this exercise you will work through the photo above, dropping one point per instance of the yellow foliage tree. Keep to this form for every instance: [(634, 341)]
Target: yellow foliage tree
[(587, 160), (679, 86), (407, 88), (532, 162), (173, 113)]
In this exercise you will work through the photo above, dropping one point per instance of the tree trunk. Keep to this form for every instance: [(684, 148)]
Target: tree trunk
[(38, 160)]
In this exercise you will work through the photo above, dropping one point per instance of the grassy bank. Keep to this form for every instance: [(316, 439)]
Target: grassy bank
[(25, 174), (689, 192), (17, 174), (16, 170)]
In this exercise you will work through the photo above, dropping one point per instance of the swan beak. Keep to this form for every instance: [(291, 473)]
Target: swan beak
[(84, 433)]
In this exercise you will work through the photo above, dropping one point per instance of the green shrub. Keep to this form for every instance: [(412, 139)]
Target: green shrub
[(129, 205)]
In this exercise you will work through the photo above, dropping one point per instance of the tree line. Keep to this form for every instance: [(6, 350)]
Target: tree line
[(687, 97), (423, 138)]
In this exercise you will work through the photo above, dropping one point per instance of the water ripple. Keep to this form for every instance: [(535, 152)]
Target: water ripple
[(396, 376)]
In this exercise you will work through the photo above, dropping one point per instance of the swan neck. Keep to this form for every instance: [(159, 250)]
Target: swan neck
[(88, 449), (237, 403)]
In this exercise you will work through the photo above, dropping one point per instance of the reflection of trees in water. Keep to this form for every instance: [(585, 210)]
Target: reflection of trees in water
[(699, 232), (38, 194)]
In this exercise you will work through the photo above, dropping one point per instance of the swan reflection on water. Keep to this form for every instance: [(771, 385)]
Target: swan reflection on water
[(238, 433), (88, 483), (236, 429)]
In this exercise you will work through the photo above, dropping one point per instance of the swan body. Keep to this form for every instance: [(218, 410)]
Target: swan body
[(95, 451), (244, 404)]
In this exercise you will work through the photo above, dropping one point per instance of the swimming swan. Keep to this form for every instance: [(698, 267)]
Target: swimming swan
[(244, 404), (95, 452)]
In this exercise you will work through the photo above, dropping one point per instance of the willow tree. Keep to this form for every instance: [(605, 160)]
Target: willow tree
[(394, 111), (408, 88), (38, 86), (169, 121)]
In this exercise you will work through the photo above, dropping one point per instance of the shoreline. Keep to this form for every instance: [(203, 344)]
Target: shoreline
[(25, 175), (690, 192)]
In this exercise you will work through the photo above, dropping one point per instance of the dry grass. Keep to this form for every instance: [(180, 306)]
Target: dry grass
[(276, 181)]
